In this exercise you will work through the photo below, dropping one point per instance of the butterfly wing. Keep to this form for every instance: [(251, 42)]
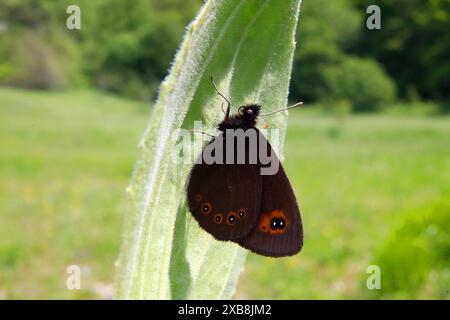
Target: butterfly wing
[(278, 231), (225, 199)]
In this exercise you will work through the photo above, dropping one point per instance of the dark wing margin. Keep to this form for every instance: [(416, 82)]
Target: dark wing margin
[(279, 230)]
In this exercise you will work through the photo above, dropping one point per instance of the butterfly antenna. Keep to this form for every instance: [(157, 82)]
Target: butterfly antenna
[(290, 107), (227, 113), (202, 132)]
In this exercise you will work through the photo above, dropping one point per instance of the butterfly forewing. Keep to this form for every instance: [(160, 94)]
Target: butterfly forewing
[(224, 198)]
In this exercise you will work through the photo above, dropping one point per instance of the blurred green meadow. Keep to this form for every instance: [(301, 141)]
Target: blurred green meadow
[(374, 189)]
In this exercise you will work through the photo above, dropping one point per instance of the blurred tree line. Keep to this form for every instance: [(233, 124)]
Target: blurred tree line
[(127, 47)]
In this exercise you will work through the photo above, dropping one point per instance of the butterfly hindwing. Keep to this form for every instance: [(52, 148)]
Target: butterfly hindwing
[(278, 231), (225, 199)]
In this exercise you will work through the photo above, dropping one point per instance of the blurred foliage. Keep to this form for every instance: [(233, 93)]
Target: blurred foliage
[(33, 52), (414, 107), (127, 47), (136, 47), (326, 29), (361, 81), (33, 63), (123, 46), (413, 45), (416, 256)]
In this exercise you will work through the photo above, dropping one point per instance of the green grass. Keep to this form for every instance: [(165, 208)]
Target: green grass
[(66, 159)]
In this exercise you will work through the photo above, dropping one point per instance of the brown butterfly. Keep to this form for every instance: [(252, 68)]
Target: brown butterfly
[(231, 197)]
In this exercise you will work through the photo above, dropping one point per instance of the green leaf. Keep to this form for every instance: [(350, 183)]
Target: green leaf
[(248, 47)]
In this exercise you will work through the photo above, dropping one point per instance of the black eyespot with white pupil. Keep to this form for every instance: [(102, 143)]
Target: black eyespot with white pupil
[(241, 213), (231, 219), (206, 208), (277, 223)]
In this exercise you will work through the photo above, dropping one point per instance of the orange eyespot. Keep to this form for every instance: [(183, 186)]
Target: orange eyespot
[(274, 222), (198, 197), (231, 218), (218, 218), (241, 213), (206, 208)]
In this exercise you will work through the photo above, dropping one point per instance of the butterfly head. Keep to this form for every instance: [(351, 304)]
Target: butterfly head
[(245, 118), (249, 113)]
